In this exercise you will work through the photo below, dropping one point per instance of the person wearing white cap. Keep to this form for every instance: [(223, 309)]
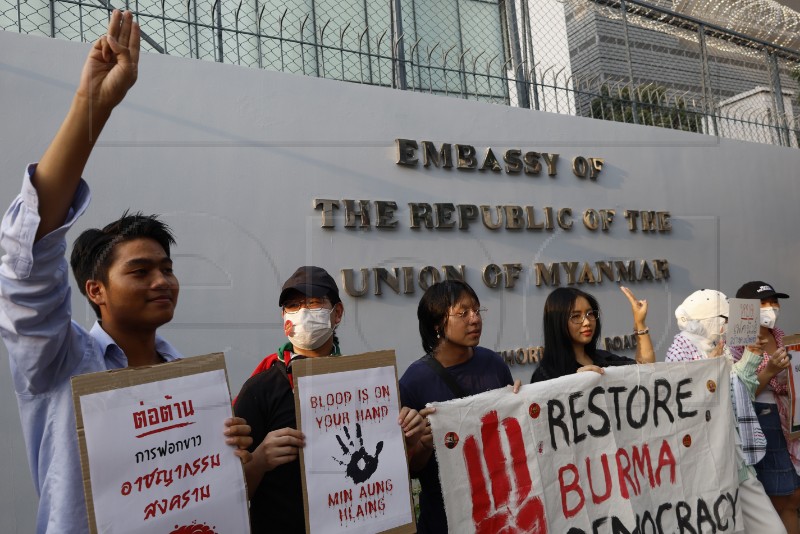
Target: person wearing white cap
[(702, 319), (572, 326)]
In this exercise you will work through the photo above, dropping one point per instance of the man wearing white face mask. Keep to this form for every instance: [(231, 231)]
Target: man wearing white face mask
[(779, 469), (702, 319), (311, 311)]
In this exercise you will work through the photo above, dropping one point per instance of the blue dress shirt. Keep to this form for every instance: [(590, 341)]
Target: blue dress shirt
[(45, 349)]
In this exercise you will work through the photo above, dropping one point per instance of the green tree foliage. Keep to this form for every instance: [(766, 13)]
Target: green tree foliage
[(654, 107)]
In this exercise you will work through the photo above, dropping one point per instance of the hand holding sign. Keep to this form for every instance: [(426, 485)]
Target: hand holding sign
[(495, 514), (426, 438), (718, 350), (758, 346), (280, 447), (412, 423), (237, 434), (779, 361)]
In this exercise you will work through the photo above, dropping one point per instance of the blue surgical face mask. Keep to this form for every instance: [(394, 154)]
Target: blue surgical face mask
[(769, 316)]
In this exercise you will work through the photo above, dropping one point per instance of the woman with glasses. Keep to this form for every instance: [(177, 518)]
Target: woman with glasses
[(454, 366), (572, 328)]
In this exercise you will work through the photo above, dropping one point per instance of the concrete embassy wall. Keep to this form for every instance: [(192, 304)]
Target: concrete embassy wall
[(234, 158)]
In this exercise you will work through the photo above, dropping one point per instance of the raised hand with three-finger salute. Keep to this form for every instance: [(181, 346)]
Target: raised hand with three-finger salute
[(110, 70)]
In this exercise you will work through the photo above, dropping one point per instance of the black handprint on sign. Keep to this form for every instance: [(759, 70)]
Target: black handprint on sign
[(361, 465)]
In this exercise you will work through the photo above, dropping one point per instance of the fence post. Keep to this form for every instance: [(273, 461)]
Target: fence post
[(632, 93), (705, 78), (777, 93), (193, 24), (317, 45), (259, 13), (462, 79), (366, 35), (529, 57), (221, 57), (52, 18), (516, 54), (398, 48)]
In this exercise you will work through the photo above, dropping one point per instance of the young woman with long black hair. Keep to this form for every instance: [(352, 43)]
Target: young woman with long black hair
[(571, 329)]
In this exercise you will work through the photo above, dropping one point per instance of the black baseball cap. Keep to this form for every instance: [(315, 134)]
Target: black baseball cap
[(311, 281), (759, 290)]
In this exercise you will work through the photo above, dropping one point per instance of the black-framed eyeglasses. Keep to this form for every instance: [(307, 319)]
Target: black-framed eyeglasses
[(311, 303), (578, 317)]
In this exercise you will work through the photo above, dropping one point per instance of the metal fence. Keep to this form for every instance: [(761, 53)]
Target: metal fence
[(620, 60)]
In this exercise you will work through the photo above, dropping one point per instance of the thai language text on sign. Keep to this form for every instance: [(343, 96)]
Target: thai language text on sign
[(157, 458)]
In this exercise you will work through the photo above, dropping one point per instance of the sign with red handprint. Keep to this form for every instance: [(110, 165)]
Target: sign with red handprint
[(355, 472), (638, 449), (501, 503)]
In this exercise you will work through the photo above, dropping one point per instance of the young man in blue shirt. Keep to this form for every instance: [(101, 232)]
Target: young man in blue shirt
[(124, 270)]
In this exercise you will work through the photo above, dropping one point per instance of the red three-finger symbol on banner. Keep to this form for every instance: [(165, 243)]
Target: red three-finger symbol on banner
[(498, 513)]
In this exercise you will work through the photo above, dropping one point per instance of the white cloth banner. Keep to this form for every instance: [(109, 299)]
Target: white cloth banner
[(642, 448)]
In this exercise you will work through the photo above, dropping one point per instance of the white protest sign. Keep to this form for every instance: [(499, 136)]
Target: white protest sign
[(743, 322), (642, 448), (794, 394), (792, 344), (153, 449), (355, 472)]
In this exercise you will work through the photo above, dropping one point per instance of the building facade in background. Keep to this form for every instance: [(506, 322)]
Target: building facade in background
[(667, 63), (623, 55)]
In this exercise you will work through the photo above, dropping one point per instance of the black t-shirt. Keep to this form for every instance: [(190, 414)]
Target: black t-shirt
[(267, 403), (602, 358)]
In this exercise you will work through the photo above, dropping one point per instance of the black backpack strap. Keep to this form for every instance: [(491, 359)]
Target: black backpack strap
[(437, 367)]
